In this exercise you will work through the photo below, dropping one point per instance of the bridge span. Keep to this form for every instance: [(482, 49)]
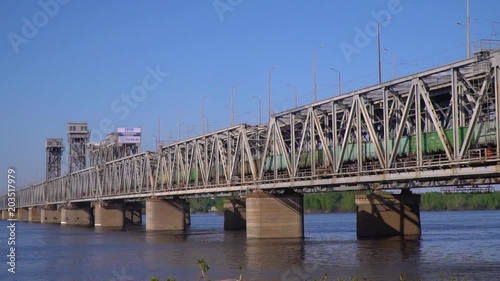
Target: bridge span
[(435, 128)]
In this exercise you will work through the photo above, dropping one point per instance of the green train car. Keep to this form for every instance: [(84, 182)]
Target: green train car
[(483, 136)]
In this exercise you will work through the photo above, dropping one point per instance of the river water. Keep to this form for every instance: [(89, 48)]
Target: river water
[(465, 243)]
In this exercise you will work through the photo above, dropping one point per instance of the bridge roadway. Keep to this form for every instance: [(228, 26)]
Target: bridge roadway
[(439, 127)]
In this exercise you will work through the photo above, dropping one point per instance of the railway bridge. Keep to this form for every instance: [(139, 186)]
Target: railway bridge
[(434, 128)]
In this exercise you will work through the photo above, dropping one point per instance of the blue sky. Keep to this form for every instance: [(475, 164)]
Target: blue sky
[(82, 57)]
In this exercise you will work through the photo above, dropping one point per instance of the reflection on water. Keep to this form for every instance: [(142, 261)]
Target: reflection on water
[(452, 243), (266, 254), (394, 249), (373, 257)]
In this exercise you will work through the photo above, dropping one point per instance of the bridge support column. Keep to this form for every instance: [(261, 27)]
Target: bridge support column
[(76, 215), (275, 215), (5, 214), (187, 213), (235, 214), (133, 213), (383, 215), (109, 214), (50, 214), (165, 214), (22, 214), (34, 214)]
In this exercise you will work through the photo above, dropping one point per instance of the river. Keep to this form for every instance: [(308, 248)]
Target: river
[(462, 243)]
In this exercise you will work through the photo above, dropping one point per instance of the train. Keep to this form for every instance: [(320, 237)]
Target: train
[(483, 136)]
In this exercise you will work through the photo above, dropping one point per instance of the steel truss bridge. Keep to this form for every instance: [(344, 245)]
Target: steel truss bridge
[(439, 127)]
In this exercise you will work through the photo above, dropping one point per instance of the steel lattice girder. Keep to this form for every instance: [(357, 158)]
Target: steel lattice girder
[(433, 128)]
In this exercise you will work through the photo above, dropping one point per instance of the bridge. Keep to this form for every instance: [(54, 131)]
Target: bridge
[(435, 128)]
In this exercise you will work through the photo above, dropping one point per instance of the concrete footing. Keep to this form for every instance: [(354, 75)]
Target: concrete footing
[(34, 214), (22, 214), (76, 216), (275, 215), (235, 217), (50, 215), (109, 214), (133, 213), (165, 214), (383, 215)]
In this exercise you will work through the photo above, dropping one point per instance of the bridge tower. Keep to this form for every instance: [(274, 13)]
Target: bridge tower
[(78, 137), (53, 151)]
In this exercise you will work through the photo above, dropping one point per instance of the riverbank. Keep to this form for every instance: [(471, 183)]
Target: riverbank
[(342, 202)]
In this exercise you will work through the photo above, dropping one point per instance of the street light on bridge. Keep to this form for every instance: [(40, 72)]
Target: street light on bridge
[(314, 70), (203, 114), (295, 92), (269, 90), (260, 109), (378, 44), (340, 81), (232, 102)]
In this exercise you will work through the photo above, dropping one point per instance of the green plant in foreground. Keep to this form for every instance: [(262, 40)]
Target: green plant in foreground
[(205, 267)]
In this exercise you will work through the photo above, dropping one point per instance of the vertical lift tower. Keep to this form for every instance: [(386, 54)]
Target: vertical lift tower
[(78, 137), (54, 149)]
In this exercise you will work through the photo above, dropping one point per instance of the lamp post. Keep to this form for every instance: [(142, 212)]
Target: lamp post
[(393, 62), (157, 140), (295, 92), (314, 71), (269, 91), (468, 28), (203, 114), (232, 102), (260, 109), (378, 37), (340, 81), (179, 127)]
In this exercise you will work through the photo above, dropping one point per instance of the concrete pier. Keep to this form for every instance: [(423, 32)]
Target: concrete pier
[(275, 215), (133, 212), (187, 213), (109, 214), (34, 214), (76, 215), (5, 214), (165, 214), (22, 214), (50, 214), (383, 215), (235, 214)]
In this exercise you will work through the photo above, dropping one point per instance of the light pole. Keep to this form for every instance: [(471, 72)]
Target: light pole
[(202, 114), (232, 102), (314, 71), (179, 127), (378, 37), (295, 92), (468, 28), (269, 90), (340, 81), (157, 141), (260, 109), (393, 62)]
